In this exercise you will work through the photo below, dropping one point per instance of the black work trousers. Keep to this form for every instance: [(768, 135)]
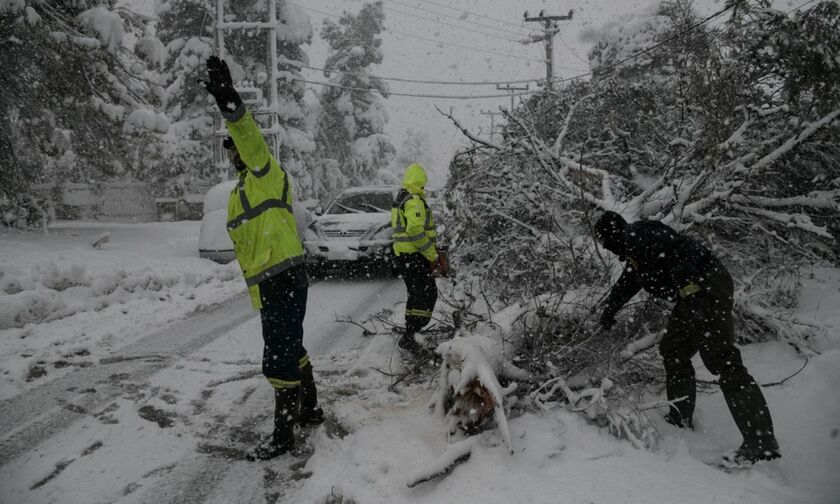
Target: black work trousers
[(703, 322), (422, 290), (283, 309)]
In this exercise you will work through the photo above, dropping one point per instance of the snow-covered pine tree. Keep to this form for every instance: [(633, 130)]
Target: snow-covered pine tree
[(185, 29), (351, 129), (416, 148), (73, 102)]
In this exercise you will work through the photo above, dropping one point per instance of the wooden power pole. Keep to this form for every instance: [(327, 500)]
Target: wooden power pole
[(492, 121), (511, 89), (550, 29)]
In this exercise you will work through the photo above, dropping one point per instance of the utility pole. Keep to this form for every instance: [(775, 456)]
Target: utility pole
[(510, 89), (267, 116), (492, 121), (550, 29)]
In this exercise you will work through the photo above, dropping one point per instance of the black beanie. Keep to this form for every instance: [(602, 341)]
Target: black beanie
[(610, 229)]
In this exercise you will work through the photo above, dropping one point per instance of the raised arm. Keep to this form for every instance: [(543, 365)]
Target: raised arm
[(245, 133)]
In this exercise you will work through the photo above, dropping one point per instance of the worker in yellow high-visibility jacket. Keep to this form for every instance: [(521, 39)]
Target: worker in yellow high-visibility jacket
[(261, 224), (416, 255)]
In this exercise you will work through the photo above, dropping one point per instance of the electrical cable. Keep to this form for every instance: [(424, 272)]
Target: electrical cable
[(400, 79), (391, 9), (420, 37), (471, 13), (462, 20), (412, 95)]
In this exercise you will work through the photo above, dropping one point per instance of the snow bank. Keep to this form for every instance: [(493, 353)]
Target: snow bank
[(61, 298)]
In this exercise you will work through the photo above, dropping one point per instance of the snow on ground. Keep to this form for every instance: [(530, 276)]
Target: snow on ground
[(175, 434), (65, 304)]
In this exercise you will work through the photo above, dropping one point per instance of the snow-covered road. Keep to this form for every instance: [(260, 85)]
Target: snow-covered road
[(157, 421), (130, 373)]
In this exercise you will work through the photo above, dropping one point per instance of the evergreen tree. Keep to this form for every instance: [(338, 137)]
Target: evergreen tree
[(185, 29), (353, 117), (72, 104)]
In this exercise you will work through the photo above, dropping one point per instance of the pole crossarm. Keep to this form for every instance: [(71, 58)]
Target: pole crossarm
[(550, 29)]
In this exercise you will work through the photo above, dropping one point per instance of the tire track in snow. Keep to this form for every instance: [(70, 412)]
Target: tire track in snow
[(38, 414), (211, 477)]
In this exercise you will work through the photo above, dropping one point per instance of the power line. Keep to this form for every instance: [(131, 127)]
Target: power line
[(412, 35), (401, 79), (462, 20), (412, 95), (391, 9), (471, 13)]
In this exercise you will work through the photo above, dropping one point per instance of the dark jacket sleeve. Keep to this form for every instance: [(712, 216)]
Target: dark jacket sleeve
[(624, 289)]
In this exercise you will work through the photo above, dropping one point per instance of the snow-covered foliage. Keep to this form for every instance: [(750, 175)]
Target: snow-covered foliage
[(727, 134), (351, 127), (68, 87), (185, 30), (416, 148), (106, 24)]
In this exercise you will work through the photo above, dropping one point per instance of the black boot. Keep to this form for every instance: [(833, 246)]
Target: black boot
[(410, 349), (675, 418), (679, 383), (752, 416), (282, 440), (310, 414)]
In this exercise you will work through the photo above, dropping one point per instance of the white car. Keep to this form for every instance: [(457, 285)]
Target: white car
[(354, 230), (213, 240)]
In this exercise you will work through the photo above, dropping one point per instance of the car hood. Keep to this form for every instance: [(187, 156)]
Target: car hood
[(352, 221)]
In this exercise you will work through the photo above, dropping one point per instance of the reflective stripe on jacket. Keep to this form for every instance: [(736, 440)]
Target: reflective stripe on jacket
[(261, 223)]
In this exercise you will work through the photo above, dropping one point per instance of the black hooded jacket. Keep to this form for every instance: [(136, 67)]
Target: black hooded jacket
[(659, 260)]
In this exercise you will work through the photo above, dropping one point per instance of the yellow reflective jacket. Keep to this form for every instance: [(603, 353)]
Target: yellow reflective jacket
[(411, 217), (260, 219)]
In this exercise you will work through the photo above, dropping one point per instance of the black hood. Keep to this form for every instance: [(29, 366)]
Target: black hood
[(610, 229)]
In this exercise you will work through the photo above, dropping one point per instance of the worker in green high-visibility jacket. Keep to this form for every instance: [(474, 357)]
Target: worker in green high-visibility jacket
[(261, 224), (416, 256)]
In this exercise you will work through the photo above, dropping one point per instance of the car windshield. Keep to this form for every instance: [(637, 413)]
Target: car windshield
[(370, 202)]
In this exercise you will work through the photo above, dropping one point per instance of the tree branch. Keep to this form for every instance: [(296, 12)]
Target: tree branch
[(467, 133)]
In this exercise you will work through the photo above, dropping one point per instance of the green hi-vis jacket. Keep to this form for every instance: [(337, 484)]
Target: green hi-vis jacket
[(260, 219), (411, 218)]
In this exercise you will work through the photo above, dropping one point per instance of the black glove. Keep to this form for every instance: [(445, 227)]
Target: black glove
[(220, 85), (607, 320)]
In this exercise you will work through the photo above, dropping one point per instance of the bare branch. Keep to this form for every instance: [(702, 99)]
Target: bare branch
[(467, 133)]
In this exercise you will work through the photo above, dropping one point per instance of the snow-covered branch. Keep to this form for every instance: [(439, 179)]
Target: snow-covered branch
[(794, 141), (799, 221), (557, 148)]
